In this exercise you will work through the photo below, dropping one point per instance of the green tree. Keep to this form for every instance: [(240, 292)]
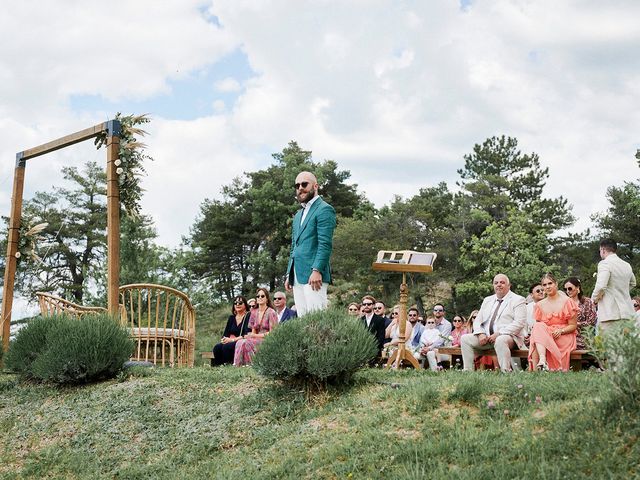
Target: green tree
[(497, 176), (71, 251), (243, 240), (621, 221), (515, 246)]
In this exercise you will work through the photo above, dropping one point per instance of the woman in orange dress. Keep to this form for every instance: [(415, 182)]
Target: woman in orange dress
[(553, 336)]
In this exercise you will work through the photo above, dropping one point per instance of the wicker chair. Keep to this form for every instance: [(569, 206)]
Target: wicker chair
[(54, 305), (162, 322)]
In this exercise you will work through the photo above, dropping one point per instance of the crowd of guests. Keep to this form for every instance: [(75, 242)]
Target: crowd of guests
[(551, 322)]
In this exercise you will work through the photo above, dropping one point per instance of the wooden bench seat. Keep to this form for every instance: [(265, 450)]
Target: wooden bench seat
[(576, 358)]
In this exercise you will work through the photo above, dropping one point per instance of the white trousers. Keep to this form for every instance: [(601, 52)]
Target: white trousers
[(469, 344), (307, 299)]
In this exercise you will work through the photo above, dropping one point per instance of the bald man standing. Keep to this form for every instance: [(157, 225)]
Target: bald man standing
[(308, 271)]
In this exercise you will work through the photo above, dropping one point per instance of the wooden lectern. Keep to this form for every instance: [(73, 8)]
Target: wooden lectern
[(403, 261)]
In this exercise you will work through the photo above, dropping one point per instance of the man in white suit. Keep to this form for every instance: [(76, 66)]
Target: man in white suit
[(613, 285), (499, 325)]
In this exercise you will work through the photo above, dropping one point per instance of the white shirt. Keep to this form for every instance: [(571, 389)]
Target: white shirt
[(306, 208), (368, 319), (499, 303)]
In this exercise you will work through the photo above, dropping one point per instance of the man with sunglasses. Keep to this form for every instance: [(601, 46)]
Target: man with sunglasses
[(308, 271), (280, 306), (373, 322)]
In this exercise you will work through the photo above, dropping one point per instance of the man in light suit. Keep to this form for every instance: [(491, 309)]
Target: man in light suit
[(280, 306), (613, 284), (498, 325), (308, 271)]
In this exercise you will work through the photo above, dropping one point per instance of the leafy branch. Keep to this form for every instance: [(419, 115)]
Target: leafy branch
[(131, 160)]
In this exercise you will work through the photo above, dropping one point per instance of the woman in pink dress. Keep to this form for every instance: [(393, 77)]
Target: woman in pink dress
[(263, 319), (459, 329), (553, 336)]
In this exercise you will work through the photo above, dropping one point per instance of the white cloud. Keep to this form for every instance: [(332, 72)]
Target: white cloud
[(395, 92), (228, 84)]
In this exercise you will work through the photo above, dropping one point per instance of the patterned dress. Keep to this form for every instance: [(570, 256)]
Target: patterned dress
[(587, 317), (258, 323), (558, 349)]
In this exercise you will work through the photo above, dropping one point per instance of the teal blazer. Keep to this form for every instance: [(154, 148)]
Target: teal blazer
[(312, 242)]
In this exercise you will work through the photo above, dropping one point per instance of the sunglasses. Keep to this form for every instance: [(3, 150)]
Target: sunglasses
[(261, 296), (438, 309), (238, 303), (377, 308), (413, 315), (569, 289), (456, 320), (431, 323), (394, 314), (635, 305), (254, 306), (278, 298), (301, 184), (353, 309), (538, 290), (366, 304)]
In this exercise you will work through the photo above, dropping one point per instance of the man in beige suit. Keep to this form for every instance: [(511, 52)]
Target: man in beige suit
[(499, 325), (613, 285)]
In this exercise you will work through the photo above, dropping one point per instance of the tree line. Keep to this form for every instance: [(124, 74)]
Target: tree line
[(497, 220)]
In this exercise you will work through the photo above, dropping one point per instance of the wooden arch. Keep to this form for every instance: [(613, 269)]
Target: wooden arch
[(112, 129)]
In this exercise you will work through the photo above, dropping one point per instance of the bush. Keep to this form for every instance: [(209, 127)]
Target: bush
[(322, 347), (67, 350), (622, 349)]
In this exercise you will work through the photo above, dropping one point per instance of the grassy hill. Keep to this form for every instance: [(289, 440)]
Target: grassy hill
[(229, 423)]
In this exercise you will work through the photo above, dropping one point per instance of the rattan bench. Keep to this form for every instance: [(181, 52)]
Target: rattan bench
[(54, 305), (162, 322)]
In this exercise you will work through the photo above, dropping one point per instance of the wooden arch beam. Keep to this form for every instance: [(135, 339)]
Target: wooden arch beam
[(113, 130)]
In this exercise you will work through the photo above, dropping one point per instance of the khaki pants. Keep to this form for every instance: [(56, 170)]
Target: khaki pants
[(470, 345)]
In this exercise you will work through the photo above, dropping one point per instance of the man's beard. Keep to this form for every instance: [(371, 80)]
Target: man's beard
[(309, 197)]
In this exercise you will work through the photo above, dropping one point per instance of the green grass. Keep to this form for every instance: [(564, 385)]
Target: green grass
[(229, 423)]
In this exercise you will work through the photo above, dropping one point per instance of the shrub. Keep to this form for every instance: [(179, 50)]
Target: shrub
[(622, 348), (28, 344), (322, 347), (67, 350)]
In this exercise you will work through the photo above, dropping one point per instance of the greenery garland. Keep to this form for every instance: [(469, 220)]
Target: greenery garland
[(131, 160)]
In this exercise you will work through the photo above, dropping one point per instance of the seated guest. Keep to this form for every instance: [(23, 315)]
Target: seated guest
[(381, 309), (353, 309), (459, 329), (429, 340), (553, 337), (373, 322), (469, 324), (413, 342), (393, 333), (263, 319), (237, 326), (280, 306), (498, 325), (587, 316), (395, 312), (536, 293), (636, 307), (252, 303)]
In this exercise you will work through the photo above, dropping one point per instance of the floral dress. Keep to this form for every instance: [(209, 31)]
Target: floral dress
[(587, 317), (247, 347), (558, 349)]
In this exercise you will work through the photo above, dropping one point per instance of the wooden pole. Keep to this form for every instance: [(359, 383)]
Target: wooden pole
[(12, 248), (402, 354), (113, 217)]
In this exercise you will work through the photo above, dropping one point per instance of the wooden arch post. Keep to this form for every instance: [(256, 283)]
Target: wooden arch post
[(112, 129)]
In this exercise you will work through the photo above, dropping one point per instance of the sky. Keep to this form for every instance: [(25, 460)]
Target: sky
[(396, 92)]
